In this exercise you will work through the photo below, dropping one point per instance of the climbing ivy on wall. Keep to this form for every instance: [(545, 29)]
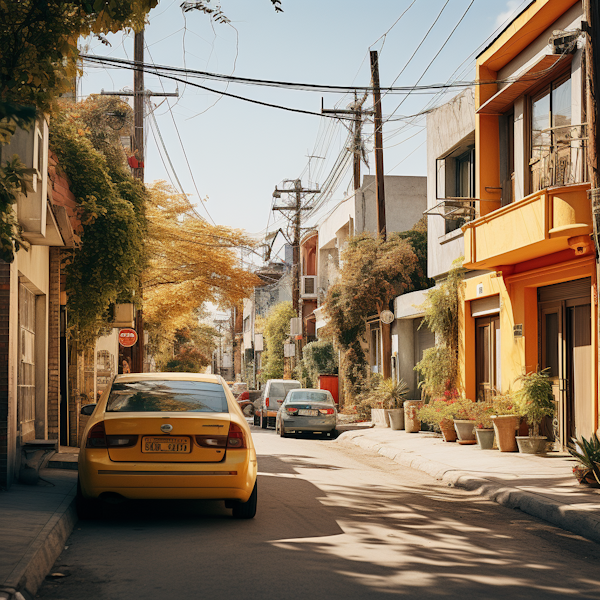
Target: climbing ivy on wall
[(108, 264)]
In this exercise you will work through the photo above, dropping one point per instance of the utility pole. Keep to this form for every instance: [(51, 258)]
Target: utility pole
[(354, 109), (386, 330), (380, 194), (139, 95), (297, 209)]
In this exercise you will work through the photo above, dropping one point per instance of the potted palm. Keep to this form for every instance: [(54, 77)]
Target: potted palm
[(534, 401), (439, 414), (484, 428), (587, 452), (505, 421), (390, 394)]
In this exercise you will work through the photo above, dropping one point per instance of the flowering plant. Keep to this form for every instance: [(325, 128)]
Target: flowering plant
[(462, 409), (437, 412), (482, 414), (504, 404)]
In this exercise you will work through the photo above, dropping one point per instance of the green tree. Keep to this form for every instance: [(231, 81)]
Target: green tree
[(373, 272), (107, 266), (276, 331)]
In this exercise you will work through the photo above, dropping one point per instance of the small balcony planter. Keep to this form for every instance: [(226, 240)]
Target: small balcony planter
[(465, 429), (412, 424), (532, 444), (396, 418), (505, 427), (485, 438)]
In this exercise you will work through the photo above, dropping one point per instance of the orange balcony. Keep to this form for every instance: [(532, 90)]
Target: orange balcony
[(548, 221)]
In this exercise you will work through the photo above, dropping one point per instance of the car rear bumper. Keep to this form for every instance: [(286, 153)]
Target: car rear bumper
[(309, 423), (231, 479)]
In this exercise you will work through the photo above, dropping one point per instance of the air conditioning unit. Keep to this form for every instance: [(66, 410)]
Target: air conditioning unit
[(309, 286)]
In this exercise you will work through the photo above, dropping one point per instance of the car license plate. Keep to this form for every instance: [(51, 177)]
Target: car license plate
[(303, 412), (164, 445)]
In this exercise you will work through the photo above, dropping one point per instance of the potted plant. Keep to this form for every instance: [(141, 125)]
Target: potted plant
[(587, 452), (439, 414), (464, 423), (412, 424), (505, 421), (390, 395), (534, 401), (484, 428)]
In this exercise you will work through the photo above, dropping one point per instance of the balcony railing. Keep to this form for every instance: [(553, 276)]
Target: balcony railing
[(456, 210), (559, 157)]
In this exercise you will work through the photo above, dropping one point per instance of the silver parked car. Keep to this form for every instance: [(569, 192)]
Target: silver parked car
[(307, 410)]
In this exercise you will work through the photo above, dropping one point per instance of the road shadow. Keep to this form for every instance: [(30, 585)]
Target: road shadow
[(345, 541)]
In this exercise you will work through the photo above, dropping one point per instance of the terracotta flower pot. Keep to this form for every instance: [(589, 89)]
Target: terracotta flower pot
[(485, 438), (465, 428), (411, 422), (448, 431), (505, 427)]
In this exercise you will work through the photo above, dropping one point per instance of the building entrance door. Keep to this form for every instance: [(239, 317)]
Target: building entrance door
[(565, 350), (487, 356)]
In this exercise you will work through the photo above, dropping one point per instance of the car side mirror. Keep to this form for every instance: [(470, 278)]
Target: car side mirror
[(88, 409)]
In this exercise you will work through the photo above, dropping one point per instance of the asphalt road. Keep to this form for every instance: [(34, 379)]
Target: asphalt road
[(333, 522)]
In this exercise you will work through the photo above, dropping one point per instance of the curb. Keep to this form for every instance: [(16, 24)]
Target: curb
[(25, 579), (565, 516)]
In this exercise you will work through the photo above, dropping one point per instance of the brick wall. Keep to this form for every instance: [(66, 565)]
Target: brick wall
[(4, 396), (54, 346)]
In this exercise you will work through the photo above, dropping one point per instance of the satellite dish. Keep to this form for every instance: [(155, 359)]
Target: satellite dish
[(387, 317)]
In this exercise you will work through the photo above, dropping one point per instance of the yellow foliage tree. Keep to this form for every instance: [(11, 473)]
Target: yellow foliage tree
[(190, 262)]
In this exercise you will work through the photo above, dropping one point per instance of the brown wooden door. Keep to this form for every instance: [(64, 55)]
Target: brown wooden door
[(566, 352)]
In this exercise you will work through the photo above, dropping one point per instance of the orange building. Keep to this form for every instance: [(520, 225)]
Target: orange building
[(534, 302)]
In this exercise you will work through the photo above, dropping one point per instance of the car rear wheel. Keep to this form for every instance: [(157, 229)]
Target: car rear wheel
[(264, 421), (246, 510), (282, 431), (85, 507)]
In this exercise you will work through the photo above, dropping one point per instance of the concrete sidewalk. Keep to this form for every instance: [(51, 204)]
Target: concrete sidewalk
[(35, 522), (542, 486)]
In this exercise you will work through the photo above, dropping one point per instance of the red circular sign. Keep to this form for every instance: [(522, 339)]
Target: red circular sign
[(127, 337)]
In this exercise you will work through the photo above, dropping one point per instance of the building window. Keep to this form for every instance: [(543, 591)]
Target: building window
[(557, 144), (456, 180)]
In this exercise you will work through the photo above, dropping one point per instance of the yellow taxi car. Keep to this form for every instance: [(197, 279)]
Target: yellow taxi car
[(167, 435)]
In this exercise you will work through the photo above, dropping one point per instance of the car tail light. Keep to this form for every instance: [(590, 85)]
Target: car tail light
[(244, 395), (96, 437), (267, 402), (291, 410), (211, 441), (326, 411), (236, 438), (121, 441)]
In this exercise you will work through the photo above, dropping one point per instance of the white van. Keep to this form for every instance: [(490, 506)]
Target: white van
[(273, 395)]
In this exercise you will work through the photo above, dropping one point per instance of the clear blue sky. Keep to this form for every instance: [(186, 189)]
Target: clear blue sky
[(238, 151)]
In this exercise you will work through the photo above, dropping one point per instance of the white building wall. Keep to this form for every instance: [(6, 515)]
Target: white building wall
[(447, 127)]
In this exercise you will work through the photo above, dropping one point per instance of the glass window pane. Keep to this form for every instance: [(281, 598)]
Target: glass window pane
[(561, 105), (167, 396), (306, 396), (540, 120)]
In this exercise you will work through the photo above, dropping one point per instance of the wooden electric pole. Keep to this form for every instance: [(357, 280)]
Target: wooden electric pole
[(356, 111), (592, 62), (386, 330), (380, 194), (297, 207), (139, 97)]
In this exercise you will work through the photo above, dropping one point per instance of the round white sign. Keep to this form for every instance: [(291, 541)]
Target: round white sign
[(387, 316)]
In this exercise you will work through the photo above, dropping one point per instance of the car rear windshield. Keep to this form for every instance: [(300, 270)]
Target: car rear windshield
[(279, 389), (310, 397), (167, 396)]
